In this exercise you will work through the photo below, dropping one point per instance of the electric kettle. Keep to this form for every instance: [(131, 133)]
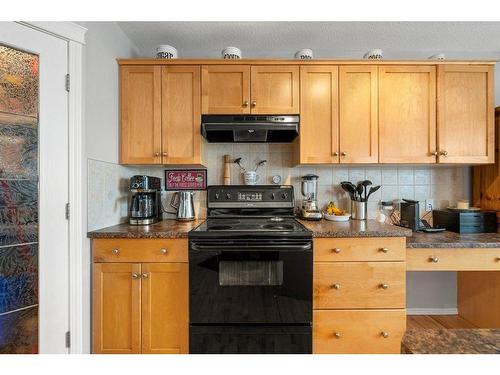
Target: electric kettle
[(182, 201)]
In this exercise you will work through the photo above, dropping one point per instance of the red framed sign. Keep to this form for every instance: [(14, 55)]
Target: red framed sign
[(185, 179)]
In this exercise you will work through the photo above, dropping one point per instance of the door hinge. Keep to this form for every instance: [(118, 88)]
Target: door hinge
[(67, 211), (67, 82), (68, 339)]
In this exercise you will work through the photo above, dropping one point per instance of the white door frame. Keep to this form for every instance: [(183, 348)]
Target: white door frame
[(75, 36)]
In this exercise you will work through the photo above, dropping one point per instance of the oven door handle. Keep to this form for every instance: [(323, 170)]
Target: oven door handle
[(253, 247)]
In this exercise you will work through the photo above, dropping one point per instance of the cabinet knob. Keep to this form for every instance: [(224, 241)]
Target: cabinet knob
[(135, 276), (337, 335), (245, 103), (343, 153), (164, 154), (433, 259), (384, 250), (384, 286), (384, 334), (434, 153), (145, 275), (157, 154), (335, 153), (443, 153), (336, 250), (497, 259), (115, 251), (254, 103), (163, 251), (336, 286)]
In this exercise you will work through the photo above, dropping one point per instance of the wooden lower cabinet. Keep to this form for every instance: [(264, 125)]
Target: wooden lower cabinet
[(358, 331)]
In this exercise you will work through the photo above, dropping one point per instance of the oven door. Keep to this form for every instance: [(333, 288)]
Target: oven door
[(250, 281)]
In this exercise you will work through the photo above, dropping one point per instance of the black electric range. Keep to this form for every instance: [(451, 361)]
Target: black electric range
[(250, 274)]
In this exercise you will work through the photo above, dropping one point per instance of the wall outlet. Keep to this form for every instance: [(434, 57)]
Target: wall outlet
[(429, 205)]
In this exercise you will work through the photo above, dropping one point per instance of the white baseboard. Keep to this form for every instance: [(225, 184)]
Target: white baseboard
[(432, 311)]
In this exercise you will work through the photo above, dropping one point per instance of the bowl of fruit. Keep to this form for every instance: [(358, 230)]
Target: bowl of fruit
[(333, 213)]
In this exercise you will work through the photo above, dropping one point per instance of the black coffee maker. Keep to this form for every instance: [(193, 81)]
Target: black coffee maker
[(145, 205)]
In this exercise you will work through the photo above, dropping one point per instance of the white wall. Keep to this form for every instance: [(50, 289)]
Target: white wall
[(105, 42)]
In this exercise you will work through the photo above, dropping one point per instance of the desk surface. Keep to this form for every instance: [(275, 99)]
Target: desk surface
[(421, 240)]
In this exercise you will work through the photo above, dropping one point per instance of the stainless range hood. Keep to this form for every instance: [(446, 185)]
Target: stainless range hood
[(249, 128)]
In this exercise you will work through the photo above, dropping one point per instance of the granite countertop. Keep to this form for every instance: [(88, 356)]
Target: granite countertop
[(163, 229), (421, 240), (451, 341), (354, 228)]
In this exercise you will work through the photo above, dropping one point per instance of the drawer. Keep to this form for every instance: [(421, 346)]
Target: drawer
[(358, 331), (470, 259), (359, 249), (140, 250), (346, 285)]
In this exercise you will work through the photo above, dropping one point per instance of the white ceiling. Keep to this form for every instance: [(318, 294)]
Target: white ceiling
[(326, 39)]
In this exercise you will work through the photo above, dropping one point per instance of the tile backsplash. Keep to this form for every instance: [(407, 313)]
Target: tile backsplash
[(108, 190)]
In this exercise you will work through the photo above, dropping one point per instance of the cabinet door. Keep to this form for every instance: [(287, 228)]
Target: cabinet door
[(358, 86), (116, 308), (140, 94), (319, 123), (466, 114), (407, 114), (275, 90), (181, 118), (165, 310), (225, 89)]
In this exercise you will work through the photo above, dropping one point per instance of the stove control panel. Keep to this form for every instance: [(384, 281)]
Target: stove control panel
[(243, 196)]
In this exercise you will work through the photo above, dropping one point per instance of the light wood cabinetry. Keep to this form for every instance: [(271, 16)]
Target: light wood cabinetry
[(462, 259), (358, 114), (359, 295), (407, 114), (274, 89), (225, 89), (140, 97), (466, 131), (319, 122), (140, 296), (181, 115), (160, 115)]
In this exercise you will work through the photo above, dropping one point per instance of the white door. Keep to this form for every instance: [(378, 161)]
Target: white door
[(53, 240)]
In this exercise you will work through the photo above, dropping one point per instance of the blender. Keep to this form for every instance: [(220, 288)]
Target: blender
[(309, 190)]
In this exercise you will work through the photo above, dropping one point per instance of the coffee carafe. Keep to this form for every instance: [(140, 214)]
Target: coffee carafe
[(309, 189), (182, 201), (145, 204)]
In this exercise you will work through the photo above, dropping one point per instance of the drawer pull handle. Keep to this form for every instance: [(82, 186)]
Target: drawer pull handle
[(115, 251), (336, 250), (384, 334), (163, 251), (337, 335), (384, 286), (145, 275), (497, 259), (384, 249), (433, 259), (336, 286), (135, 276)]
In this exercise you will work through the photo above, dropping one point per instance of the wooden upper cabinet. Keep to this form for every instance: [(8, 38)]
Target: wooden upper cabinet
[(116, 308), (358, 113), (140, 114), (275, 89), (319, 125), (165, 312), (181, 115), (466, 114), (407, 114), (225, 89)]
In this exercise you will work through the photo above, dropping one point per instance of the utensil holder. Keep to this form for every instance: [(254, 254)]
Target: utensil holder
[(359, 210)]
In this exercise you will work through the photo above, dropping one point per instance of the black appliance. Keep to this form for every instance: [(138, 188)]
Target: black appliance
[(250, 274), (145, 204), (410, 214), (258, 128), (466, 221)]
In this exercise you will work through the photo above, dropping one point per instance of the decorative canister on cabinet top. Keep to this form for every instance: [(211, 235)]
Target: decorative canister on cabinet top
[(164, 51), (231, 53)]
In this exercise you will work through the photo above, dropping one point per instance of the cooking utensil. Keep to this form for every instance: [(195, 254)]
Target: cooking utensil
[(373, 189), (350, 188), (359, 190), (238, 161), (366, 183), (259, 164)]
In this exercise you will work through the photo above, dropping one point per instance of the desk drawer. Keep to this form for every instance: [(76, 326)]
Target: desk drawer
[(436, 259), (359, 249), (358, 331), (344, 285), (140, 250)]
